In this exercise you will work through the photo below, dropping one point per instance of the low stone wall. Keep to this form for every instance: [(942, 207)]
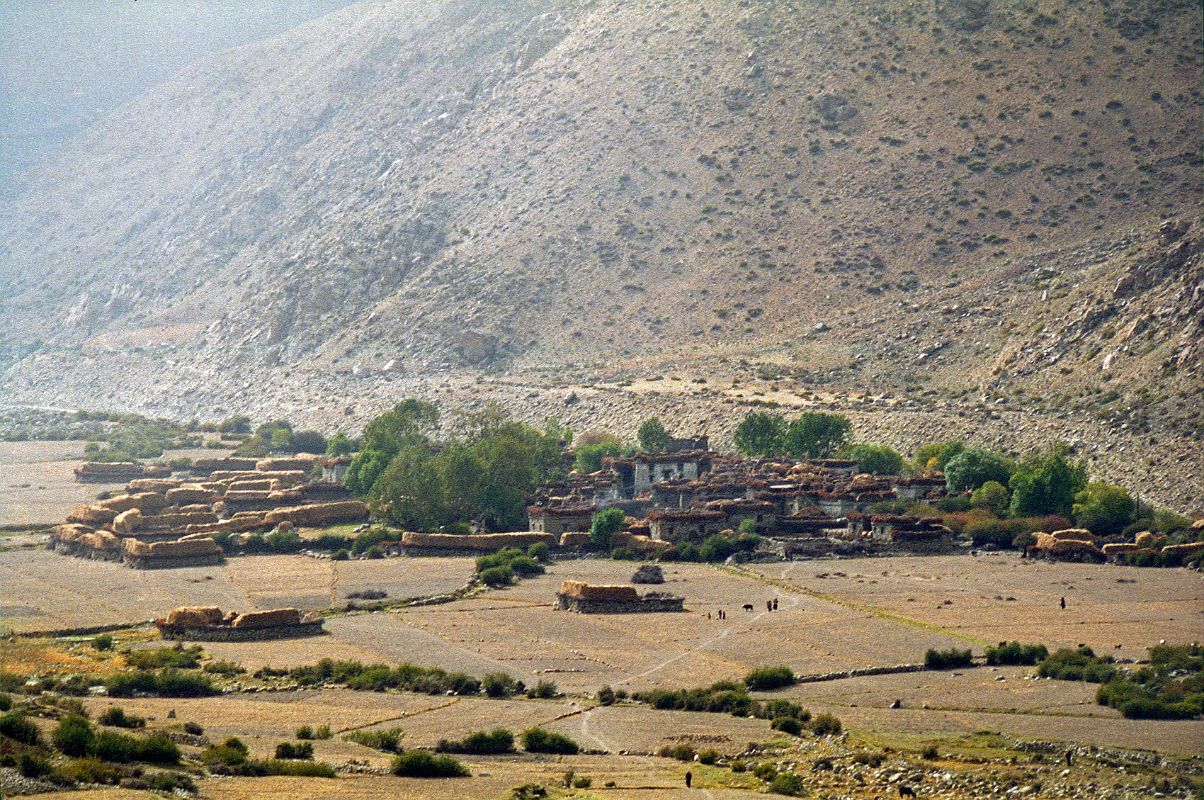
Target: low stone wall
[(174, 562), (642, 605), (226, 633)]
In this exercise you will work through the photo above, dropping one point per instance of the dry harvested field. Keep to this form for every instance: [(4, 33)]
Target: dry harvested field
[(516, 629), (41, 590), (1000, 596), (995, 699), (37, 485)]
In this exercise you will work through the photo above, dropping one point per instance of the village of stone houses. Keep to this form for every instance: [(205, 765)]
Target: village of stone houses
[(459, 605)]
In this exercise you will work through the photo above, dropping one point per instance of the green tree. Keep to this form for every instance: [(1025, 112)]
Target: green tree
[(991, 496), (589, 456), (876, 459), (605, 525), (308, 442), (816, 435), (760, 434), (653, 436), (1046, 483), (341, 445), (1103, 508), (235, 424), (937, 455), (975, 466), (410, 492)]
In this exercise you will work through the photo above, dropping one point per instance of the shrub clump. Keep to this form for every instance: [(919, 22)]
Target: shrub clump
[(538, 740), (498, 740), (786, 783), (421, 764), (947, 659), (767, 678), (1015, 653), (387, 740), (1080, 664), (301, 751), (164, 683), (115, 716), (825, 725)]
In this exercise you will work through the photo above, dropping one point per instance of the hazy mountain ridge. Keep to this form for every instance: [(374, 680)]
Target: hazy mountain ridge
[(544, 184)]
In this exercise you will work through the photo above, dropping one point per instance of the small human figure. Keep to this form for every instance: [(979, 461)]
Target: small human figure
[(1068, 758), (708, 615), (1063, 601), (689, 779), (769, 605), (775, 604)]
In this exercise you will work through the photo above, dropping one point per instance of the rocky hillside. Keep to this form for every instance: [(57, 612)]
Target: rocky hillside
[(959, 199)]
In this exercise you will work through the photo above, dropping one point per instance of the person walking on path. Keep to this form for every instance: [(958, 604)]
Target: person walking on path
[(689, 779), (1063, 602)]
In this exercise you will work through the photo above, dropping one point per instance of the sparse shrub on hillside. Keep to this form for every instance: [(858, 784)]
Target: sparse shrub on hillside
[(825, 725), (786, 783)]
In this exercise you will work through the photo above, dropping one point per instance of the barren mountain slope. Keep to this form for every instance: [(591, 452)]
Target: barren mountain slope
[(952, 189)]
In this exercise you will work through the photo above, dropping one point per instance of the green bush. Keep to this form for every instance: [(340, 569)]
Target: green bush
[(303, 732), (497, 576), (544, 690), (498, 740), (768, 678), (115, 716), (788, 725), (708, 757), (605, 526), (540, 551), (765, 771), (122, 748), (193, 729), (177, 657), (606, 696), (499, 684), (6, 702), (421, 764), (287, 750), (89, 770), (680, 751), (1081, 664), (387, 740), (340, 555), (16, 726), (103, 642), (825, 724), (538, 740), (73, 736), (223, 668), (33, 765), (786, 783), (1016, 653), (947, 659)]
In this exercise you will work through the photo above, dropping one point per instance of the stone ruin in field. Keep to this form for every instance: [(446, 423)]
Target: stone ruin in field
[(209, 624), (584, 598), (166, 522)]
